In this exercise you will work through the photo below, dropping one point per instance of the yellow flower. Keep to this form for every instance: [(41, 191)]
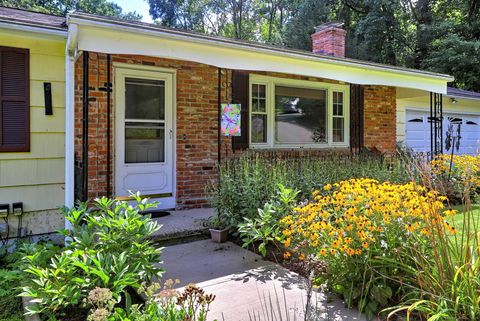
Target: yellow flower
[(450, 212), (327, 187), (365, 245), (323, 252), (286, 255)]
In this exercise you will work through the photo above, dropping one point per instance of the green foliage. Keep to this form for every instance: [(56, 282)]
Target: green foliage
[(169, 305), (10, 279), (265, 228), (445, 279), (61, 7), (109, 247), (248, 182)]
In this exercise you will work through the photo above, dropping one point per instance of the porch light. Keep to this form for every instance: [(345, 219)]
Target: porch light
[(453, 100)]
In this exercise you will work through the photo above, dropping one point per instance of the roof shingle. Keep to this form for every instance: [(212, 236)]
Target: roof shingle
[(462, 93), (38, 19)]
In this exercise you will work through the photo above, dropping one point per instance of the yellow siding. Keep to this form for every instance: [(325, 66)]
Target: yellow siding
[(37, 178), (423, 103)]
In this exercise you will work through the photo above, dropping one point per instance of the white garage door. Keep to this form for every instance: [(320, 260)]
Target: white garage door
[(417, 131)]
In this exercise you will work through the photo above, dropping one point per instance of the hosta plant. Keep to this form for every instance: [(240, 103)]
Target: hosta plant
[(109, 246)]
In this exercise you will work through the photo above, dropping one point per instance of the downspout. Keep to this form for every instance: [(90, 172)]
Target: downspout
[(108, 88), (71, 47), (85, 126)]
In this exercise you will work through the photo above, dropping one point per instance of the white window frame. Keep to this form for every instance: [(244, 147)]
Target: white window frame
[(271, 82)]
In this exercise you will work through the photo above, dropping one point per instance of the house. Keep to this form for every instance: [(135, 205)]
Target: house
[(143, 106), (32, 129)]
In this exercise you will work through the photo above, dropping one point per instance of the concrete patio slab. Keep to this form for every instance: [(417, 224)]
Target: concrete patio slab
[(183, 223), (245, 284)]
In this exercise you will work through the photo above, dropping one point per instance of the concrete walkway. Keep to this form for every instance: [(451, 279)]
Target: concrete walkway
[(245, 284)]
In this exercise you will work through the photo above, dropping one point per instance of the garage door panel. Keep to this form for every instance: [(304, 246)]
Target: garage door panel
[(417, 131)]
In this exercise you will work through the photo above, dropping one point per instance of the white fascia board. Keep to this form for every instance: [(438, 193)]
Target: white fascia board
[(34, 29), (101, 37)]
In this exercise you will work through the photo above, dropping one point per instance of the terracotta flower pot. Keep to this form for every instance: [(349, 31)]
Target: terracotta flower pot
[(219, 236)]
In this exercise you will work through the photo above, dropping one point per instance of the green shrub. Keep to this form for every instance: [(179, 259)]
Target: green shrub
[(109, 247), (248, 182), (265, 228)]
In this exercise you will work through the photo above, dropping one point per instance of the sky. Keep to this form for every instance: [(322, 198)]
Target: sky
[(140, 6)]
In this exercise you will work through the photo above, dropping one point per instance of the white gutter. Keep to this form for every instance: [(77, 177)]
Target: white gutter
[(70, 117), (208, 40), (33, 28)]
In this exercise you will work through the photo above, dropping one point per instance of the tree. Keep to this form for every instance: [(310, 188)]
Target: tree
[(310, 14), (62, 7)]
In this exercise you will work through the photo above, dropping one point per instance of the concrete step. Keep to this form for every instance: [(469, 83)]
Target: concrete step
[(183, 225)]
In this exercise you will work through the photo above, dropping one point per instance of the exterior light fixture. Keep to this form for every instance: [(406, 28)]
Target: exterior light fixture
[(4, 210), (453, 100)]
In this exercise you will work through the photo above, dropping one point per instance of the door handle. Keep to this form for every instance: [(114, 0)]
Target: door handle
[(170, 131)]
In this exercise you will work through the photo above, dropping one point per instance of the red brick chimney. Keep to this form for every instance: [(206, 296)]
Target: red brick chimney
[(329, 39)]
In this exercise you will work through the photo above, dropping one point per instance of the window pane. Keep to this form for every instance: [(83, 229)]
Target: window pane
[(338, 130), (259, 128), (144, 99), (258, 98), (337, 103), (258, 105), (144, 143), (300, 115), (258, 91)]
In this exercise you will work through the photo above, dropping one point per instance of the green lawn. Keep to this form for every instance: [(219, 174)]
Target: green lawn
[(458, 219)]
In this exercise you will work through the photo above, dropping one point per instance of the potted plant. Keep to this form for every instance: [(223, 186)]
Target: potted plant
[(218, 229)]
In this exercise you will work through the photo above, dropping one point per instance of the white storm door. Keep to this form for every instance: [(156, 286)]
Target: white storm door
[(144, 134)]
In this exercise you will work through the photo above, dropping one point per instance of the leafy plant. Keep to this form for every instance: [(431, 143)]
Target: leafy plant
[(10, 279), (265, 228), (109, 247), (168, 305)]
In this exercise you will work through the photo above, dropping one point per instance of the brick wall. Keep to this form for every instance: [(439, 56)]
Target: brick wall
[(196, 122), (380, 118)]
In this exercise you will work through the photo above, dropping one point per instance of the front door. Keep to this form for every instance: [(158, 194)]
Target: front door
[(144, 134)]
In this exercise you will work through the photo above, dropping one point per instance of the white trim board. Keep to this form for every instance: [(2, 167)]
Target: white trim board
[(115, 39)]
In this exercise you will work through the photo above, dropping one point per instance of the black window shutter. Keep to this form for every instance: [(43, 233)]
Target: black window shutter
[(356, 117), (240, 95), (14, 100)]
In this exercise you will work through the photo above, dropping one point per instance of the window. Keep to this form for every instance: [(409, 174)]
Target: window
[(297, 113), (14, 102), (144, 120), (259, 114)]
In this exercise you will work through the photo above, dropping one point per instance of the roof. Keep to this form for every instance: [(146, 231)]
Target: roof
[(247, 44), (32, 19), (460, 93)]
